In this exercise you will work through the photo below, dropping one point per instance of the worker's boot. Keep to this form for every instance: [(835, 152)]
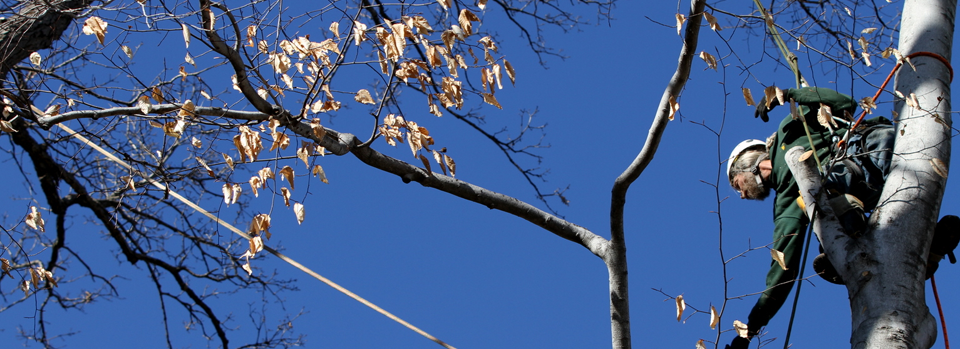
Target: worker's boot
[(849, 211), (945, 239), (825, 269)]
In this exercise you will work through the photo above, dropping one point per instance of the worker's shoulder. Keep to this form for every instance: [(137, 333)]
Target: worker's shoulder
[(815, 93)]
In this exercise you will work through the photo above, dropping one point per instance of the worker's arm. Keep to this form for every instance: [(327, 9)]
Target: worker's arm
[(811, 97), (788, 238)]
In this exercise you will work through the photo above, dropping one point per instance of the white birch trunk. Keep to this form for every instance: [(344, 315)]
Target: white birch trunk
[(886, 284), (884, 270)]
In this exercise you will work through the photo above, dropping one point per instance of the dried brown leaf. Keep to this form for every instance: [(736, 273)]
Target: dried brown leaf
[(358, 32), (35, 59), (174, 128), (680, 19), (157, 95), (712, 21), (939, 167), (285, 193), (260, 224), (144, 103), (335, 29), (36, 273), (864, 44), (681, 306), (265, 173), (6, 126), (426, 164), (95, 26), (466, 20), (710, 59), (825, 116), (769, 94), (714, 317), (128, 182), (741, 328), (287, 172), (748, 96), (674, 107), (363, 96), (255, 184), (491, 100), (778, 257), (303, 153), (186, 35), (280, 140), (5, 267), (228, 194), (318, 171), (34, 220), (228, 160), (299, 211), (868, 104), (913, 102), (510, 72)]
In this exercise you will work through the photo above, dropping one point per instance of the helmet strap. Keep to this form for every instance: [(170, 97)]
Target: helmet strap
[(756, 168)]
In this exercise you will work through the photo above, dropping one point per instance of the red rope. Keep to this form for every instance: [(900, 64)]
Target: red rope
[(943, 323), (889, 76)]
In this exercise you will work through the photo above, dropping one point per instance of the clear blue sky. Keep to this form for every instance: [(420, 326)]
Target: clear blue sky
[(477, 278)]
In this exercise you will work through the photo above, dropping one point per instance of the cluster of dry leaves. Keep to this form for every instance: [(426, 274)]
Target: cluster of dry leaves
[(313, 61), (38, 273)]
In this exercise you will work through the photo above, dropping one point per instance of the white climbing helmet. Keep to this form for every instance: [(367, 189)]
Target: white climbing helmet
[(740, 148)]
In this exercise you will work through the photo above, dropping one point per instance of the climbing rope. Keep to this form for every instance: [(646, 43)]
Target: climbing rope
[(230, 227), (940, 58), (792, 62), (796, 298), (943, 322)]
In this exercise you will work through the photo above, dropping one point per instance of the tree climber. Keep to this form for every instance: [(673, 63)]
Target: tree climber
[(853, 185)]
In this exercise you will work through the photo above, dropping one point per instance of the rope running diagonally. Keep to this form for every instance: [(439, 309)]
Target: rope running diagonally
[(794, 67), (289, 260)]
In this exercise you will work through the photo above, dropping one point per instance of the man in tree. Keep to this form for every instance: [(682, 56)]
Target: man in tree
[(853, 184)]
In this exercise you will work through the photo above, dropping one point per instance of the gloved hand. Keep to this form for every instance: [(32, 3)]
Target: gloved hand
[(762, 109), (738, 343)]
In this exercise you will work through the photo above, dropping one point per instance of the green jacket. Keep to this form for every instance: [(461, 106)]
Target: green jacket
[(790, 222)]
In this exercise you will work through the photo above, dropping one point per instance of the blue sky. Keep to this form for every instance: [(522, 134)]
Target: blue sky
[(478, 278)]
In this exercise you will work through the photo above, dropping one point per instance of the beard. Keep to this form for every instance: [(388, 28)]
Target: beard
[(753, 191)]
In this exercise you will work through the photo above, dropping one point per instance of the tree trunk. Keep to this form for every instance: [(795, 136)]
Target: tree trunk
[(884, 270), (887, 287), (35, 27), (615, 256)]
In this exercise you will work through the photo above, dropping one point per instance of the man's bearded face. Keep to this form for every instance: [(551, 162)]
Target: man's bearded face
[(746, 184)]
